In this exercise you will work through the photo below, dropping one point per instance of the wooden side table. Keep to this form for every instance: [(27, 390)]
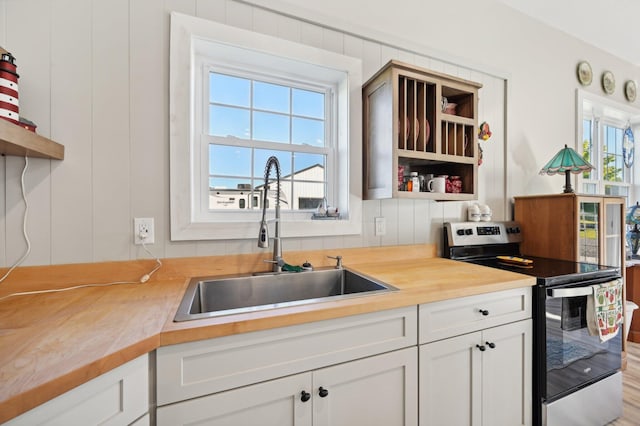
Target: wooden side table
[(633, 294)]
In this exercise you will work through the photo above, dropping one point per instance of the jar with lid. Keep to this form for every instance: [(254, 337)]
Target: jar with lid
[(415, 182)]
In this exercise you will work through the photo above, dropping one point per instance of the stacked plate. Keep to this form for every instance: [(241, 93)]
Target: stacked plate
[(9, 105)]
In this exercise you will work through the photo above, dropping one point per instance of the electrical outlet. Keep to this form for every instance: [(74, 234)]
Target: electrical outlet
[(381, 226), (143, 230)]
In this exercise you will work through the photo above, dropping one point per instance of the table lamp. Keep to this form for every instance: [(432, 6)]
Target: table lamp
[(566, 161)]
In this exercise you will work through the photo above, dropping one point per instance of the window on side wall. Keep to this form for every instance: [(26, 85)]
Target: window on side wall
[(604, 145), (237, 98)]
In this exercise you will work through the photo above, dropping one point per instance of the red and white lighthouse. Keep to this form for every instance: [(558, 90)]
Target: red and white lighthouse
[(9, 105)]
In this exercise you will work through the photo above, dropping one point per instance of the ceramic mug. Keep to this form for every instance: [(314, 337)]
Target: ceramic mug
[(437, 184)]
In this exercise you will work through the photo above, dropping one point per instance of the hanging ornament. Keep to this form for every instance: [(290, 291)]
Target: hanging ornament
[(627, 147), (484, 133)]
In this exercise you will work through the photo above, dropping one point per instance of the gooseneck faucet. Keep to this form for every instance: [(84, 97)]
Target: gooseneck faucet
[(263, 236)]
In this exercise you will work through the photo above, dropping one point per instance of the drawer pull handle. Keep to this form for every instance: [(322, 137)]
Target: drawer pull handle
[(481, 347), (491, 344), (305, 396), (484, 312), (322, 392)]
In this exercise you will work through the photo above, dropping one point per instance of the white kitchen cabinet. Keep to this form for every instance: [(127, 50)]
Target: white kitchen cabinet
[(460, 384), (273, 403), (379, 390), (118, 397), (367, 363), (194, 369), (376, 391), (470, 375)]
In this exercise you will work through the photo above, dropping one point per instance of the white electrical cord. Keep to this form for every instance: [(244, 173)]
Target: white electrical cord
[(24, 222), (142, 280)]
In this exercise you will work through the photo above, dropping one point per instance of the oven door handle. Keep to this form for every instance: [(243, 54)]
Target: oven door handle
[(570, 292)]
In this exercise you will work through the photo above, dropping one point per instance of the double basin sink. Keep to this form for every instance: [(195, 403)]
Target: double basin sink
[(211, 297)]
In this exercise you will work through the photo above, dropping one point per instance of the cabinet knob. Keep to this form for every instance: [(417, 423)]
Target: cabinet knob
[(322, 392), (484, 312), (305, 396), (481, 347), (491, 344)]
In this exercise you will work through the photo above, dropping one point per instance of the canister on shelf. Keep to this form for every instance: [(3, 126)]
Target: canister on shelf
[(415, 182)]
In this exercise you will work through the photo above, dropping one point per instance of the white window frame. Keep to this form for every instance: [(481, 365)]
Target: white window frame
[(603, 111), (192, 40)]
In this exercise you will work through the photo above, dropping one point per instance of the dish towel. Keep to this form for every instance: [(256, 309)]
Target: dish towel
[(604, 309)]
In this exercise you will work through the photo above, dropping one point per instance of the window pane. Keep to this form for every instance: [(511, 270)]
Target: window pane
[(613, 164), (616, 190), (229, 161), (260, 161), (226, 121), (587, 145), (308, 132), (307, 103), (309, 166), (225, 89), (270, 127), (270, 97), (305, 193), (229, 198)]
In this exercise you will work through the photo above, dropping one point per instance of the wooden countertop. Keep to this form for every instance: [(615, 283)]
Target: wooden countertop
[(53, 342)]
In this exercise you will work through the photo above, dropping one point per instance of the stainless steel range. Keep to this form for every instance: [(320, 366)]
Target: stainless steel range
[(576, 377)]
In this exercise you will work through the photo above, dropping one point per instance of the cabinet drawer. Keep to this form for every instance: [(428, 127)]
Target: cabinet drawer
[(439, 320), (204, 367)]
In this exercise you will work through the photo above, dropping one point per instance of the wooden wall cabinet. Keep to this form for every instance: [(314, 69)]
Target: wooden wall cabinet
[(407, 130), (585, 228)]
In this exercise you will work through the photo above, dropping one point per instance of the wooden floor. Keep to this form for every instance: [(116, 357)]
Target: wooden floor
[(631, 386)]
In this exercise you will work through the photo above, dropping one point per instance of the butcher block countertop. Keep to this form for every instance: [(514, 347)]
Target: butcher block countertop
[(53, 342)]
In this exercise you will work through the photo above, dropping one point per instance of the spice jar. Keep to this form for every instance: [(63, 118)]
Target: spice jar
[(415, 182)]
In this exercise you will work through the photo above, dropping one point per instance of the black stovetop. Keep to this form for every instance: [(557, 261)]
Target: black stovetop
[(550, 272)]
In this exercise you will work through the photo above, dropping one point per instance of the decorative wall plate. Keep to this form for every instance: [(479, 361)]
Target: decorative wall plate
[(608, 82), (630, 90), (585, 75)]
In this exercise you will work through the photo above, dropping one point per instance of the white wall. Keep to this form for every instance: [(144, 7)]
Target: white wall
[(94, 77)]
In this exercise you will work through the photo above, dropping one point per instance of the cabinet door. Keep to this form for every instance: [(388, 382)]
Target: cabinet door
[(377, 391), (506, 375), (450, 375), (273, 403), (589, 229)]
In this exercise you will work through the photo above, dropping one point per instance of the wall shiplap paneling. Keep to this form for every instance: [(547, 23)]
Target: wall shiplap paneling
[(371, 59), (104, 95), (266, 22), (333, 41), (311, 35), (148, 123), (30, 44), (213, 10), (239, 15), (111, 130), (71, 106)]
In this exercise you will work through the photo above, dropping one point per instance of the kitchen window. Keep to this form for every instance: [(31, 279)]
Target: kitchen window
[(250, 119), (237, 98), (603, 144)]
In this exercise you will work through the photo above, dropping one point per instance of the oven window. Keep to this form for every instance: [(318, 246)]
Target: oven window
[(574, 357)]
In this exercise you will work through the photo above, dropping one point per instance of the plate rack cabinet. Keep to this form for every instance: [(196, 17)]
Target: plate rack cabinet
[(408, 129)]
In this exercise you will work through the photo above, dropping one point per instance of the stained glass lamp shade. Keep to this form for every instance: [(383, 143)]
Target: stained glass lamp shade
[(566, 161), (633, 235)]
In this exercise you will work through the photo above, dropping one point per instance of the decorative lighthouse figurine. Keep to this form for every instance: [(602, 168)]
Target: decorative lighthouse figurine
[(9, 106)]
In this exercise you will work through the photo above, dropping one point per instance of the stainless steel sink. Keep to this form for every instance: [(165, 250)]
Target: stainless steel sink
[(209, 297)]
